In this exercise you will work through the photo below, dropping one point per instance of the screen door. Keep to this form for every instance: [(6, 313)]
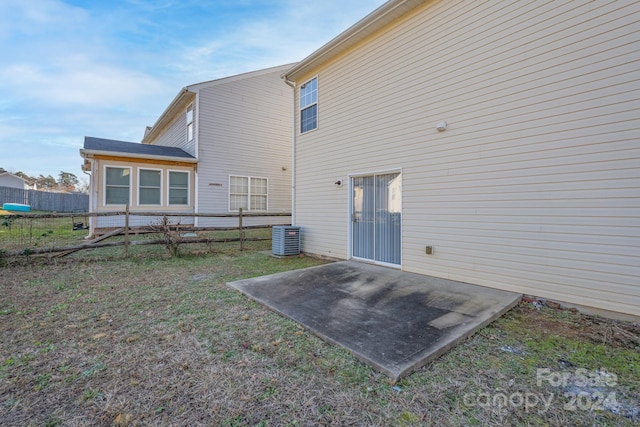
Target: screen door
[(377, 217)]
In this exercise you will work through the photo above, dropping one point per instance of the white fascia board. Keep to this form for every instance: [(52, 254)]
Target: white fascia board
[(178, 103), (371, 23), (197, 86), (89, 154)]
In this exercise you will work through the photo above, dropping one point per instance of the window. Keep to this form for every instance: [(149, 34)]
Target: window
[(258, 192), (248, 193), (309, 105), (178, 188), (238, 193), (150, 182), (190, 122), (117, 186)]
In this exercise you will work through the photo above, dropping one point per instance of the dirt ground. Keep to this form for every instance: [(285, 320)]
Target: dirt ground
[(163, 341)]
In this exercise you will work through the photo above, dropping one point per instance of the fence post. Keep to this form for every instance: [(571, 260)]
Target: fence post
[(240, 228), (126, 232)]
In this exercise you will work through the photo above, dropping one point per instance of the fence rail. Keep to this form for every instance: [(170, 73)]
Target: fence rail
[(61, 234), (45, 200)]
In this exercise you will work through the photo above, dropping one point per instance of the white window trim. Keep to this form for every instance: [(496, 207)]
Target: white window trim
[(190, 123), (140, 169), (188, 186), (307, 106), (248, 194), (229, 191), (104, 184)]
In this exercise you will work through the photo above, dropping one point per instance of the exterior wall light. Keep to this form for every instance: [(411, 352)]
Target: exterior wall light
[(441, 126)]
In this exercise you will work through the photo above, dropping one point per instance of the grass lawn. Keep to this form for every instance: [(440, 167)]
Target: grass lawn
[(18, 233), (153, 340)]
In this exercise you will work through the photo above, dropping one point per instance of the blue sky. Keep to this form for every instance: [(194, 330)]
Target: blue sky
[(108, 68)]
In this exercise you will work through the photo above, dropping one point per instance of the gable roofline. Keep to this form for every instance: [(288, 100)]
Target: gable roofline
[(180, 102), (362, 29), (13, 175), (187, 95), (211, 83)]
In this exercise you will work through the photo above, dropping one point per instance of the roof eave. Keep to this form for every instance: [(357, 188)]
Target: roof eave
[(88, 154), (183, 98), (13, 175), (238, 77), (371, 23), (180, 101)]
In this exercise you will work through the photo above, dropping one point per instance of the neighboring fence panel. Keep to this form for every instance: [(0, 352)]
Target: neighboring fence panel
[(45, 200), (13, 195)]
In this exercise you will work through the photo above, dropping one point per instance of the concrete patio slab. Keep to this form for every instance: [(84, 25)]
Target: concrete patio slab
[(393, 320)]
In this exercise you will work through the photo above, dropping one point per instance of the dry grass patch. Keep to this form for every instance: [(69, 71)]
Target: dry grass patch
[(166, 342)]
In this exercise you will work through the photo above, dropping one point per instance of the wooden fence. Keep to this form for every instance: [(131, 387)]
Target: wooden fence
[(61, 234), (45, 200)]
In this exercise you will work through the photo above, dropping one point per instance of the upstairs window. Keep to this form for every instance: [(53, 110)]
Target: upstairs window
[(117, 181), (309, 105), (248, 193), (190, 122), (178, 188), (150, 181)]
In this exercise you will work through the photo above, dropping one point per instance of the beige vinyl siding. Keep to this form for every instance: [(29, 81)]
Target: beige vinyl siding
[(534, 187), (175, 134), (247, 132)]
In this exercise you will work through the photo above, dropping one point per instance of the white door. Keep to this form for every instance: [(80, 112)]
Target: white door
[(376, 215)]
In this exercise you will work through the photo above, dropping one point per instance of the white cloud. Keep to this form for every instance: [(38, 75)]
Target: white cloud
[(8, 131), (109, 69), (257, 42), (86, 85), (151, 6), (31, 17)]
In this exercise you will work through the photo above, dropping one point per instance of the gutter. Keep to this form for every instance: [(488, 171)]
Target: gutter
[(92, 198), (196, 152), (293, 152)]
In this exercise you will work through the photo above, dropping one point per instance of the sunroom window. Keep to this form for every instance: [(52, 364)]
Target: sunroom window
[(149, 187), (117, 181), (178, 188)]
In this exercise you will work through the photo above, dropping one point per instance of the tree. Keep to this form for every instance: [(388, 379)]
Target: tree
[(83, 186), (26, 177), (46, 182), (67, 181)]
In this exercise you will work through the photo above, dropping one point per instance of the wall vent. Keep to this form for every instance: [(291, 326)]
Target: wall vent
[(285, 240)]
